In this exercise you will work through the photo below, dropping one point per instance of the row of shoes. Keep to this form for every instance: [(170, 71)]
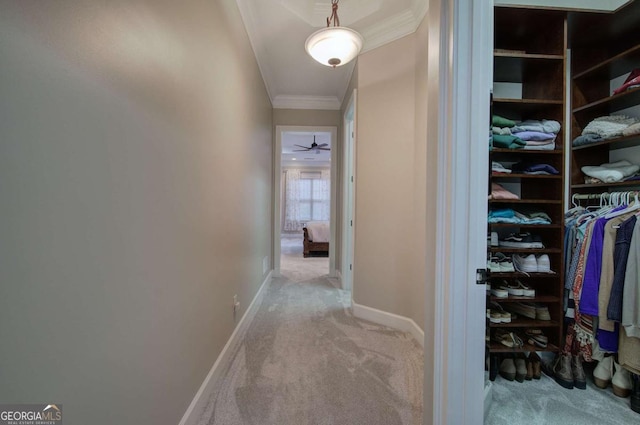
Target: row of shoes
[(513, 339), (517, 240), (520, 367), (515, 289), (500, 263), (533, 311)]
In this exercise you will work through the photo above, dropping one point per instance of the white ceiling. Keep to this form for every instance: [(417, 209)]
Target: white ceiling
[(291, 158), (278, 30)]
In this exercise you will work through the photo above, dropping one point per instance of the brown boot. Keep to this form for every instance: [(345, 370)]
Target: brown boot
[(562, 371), (534, 361), (579, 377)]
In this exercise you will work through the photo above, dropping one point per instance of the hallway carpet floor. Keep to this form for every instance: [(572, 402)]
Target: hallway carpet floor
[(306, 360)]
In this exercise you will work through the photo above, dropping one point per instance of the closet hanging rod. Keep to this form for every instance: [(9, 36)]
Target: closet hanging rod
[(580, 196)]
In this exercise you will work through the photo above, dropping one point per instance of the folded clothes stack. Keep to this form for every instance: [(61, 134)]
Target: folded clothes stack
[(608, 127), (610, 172), (499, 192), (528, 134), (511, 216), (534, 168)]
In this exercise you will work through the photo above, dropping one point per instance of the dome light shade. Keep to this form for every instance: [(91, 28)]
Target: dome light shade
[(334, 46)]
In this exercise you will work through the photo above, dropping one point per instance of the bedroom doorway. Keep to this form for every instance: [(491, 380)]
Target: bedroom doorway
[(305, 207)]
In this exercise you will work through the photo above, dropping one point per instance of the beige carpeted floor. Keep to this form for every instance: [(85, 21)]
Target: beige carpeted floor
[(306, 360)]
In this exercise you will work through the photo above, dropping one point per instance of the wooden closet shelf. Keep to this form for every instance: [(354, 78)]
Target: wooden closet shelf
[(538, 299), (526, 250), (526, 151), (609, 104), (613, 144), (630, 183), (613, 67), (525, 201), (525, 323), (528, 101), (517, 176), (496, 347), (524, 55), (525, 226)]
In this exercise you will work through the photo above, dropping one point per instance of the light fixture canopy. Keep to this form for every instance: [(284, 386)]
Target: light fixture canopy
[(334, 46)]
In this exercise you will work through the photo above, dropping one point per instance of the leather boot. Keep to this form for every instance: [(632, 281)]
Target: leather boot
[(529, 375), (603, 373), (562, 371), (508, 369), (521, 368), (621, 381), (535, 362), (635, 393), (579, 377)]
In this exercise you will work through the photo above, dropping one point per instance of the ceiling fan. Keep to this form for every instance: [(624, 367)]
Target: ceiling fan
[(313, 148)]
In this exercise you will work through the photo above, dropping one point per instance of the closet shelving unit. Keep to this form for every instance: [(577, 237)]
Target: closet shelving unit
[(535, 60), (592, 98)]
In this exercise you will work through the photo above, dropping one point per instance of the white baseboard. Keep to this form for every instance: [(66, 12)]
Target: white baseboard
[(199, 402), (395, 321)]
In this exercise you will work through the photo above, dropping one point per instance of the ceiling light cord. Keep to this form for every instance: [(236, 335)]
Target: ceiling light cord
[(334, 14)]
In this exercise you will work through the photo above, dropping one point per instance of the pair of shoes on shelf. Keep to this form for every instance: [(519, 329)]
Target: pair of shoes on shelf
[(530, 310), (608, 372), (537, 338), (531, 263), (500, 263), (519, 289), (522, 240), (514, 368), (508, 339), (498, 316), (568, 371)]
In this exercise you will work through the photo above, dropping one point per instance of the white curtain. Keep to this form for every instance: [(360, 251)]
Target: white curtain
[(292, 199), (325, 195)]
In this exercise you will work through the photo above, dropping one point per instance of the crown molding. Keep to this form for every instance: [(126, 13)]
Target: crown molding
[(307, 102), (249, 19), (390, 29)]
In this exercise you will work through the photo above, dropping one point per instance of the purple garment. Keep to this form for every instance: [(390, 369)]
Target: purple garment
[(609, 340), (593, 268), (534, 135)]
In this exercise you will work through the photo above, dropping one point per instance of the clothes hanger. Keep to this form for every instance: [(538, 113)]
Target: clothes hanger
[(633, 207)]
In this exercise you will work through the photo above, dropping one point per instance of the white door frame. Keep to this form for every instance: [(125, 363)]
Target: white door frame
[(348, 191), (277, 178), (460, 58)]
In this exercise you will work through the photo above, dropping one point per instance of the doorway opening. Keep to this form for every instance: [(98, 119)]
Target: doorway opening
[(305, 213)]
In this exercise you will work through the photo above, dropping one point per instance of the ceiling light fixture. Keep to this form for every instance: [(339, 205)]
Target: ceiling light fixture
[(334, 45)]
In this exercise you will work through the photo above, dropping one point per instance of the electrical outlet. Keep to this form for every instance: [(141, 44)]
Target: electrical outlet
[(236, 303)]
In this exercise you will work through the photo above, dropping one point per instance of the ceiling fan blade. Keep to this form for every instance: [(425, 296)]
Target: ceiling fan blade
[(321, 145), (300, 146), (324, 149), (300, 150)]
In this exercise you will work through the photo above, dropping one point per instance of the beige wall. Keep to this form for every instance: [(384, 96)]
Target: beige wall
[(135, 201), (390, 248)]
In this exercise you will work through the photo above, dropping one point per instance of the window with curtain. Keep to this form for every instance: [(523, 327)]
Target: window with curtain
[(308, 197)]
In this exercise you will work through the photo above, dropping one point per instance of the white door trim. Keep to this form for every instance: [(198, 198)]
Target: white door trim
[(348, 203), (461, 40), (277, 177)]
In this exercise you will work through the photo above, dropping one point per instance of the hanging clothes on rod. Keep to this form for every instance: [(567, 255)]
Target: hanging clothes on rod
[(602, 245)]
